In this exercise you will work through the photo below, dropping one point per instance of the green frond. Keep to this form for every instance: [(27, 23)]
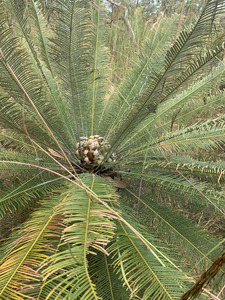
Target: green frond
[(23, 75), (200, 106), (144, 111), (30, 191), (99, 73), (176, 185), (159, 87), (35, 241), (205, 135), (208, 135), (28, 183), (187, 165), (147, 273), (26, 164), (149, 61), (193, 241), (107, 281), (177, 109), (70, 50), (198, 247), (196, 37), (39, 30), (89, 227), (208, 171)]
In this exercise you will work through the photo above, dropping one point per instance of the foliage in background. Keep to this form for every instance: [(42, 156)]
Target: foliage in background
[(84, 238)]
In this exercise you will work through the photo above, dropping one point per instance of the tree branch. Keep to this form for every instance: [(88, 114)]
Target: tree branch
[(126, 20)]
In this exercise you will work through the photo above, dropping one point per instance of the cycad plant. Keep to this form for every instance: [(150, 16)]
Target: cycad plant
[(100, 174)]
